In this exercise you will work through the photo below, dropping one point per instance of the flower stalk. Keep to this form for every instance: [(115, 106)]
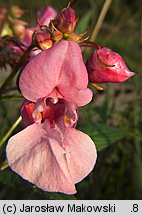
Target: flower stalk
[(7, 135)]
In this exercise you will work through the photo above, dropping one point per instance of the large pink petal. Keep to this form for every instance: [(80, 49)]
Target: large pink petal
[(41, 74), (59, 67), (38, 156), (81, 153), (79, 96)]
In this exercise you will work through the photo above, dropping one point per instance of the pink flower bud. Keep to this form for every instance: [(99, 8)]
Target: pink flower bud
[(42, 38), (104, 65), (66, 20)]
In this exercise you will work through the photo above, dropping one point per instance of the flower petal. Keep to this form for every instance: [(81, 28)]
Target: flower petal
[(48, 13), (81, 153), (79, 96), (104, 65), (26, 111), (38, 156), (60, 67)]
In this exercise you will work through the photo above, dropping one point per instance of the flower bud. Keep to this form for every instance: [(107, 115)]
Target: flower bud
[(104, 65), (16, 11), (26, 111), (10, 51), (42, 38), (66, 20)]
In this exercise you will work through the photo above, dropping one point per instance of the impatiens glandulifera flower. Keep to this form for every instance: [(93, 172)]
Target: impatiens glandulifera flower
[(58, 72), (50, 152), (104, 65)]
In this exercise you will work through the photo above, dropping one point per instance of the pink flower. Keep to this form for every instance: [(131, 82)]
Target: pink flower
[(59, 72), (46, 15), (107, 66), (50, 152)]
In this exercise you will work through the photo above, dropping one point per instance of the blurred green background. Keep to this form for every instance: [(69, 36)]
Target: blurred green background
[(113, 119)]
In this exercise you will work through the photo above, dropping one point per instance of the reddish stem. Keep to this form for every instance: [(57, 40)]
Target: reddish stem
[(90, 44), (73, 3)]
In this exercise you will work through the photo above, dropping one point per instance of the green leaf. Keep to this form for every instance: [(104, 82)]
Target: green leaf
[(8, 178), (83, 23), (59, 196), (103, 135)]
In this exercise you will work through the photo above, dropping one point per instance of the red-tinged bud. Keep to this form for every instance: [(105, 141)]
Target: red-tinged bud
[(104, 65), (27, 109), (42, 38), (16, 11), (66, 20)]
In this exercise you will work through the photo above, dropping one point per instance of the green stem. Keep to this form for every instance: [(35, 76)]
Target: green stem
[(99, 23), (73, 3), (100, 19), (11, 97), (4, 166), (10, 130), (16, 69)]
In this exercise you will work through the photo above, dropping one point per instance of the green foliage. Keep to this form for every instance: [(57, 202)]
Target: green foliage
[(103, 135), (83, 23), (59, 196), (10, 181), (8, 178)]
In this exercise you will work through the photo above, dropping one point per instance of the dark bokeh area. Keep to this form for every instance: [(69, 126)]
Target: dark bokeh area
[(113, 119)]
